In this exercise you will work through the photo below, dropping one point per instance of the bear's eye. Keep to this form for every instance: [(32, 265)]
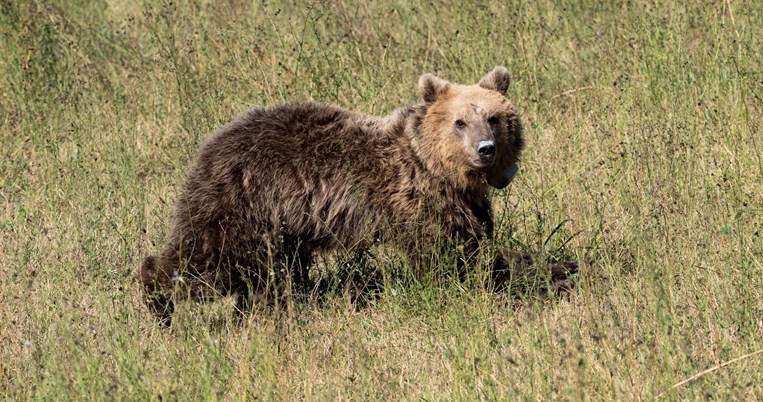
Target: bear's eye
[(492, 120), (460, 123)]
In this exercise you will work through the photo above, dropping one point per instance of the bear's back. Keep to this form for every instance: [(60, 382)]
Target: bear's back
[(299, 136), (319, 170)]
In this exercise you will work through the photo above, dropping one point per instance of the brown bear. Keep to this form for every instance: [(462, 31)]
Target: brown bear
[(275, 185)]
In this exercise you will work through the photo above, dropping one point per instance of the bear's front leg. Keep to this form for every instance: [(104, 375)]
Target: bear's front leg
[(513, 266)]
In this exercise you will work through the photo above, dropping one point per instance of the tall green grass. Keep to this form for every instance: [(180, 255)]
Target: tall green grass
[(643, 123)]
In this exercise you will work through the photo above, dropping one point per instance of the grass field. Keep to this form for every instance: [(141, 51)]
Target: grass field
[(645, 150)]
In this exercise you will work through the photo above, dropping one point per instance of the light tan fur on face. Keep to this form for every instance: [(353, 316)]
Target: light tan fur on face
[(452, 150)]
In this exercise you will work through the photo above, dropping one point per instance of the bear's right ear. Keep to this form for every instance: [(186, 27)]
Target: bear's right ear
[(497, 80), (430, 87)]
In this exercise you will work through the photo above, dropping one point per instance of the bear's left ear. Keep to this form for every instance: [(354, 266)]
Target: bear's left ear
[(430, 87), (496, 80)]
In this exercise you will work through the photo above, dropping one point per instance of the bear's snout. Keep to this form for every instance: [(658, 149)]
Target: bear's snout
[(486, 150)]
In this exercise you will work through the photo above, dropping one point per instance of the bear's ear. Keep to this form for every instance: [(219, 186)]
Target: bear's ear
[(430, 87), (496, 80)]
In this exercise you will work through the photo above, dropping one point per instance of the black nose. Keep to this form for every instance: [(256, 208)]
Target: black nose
[(486, 149)]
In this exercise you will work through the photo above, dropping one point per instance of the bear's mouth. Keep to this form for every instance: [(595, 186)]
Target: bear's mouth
[(479, 163)]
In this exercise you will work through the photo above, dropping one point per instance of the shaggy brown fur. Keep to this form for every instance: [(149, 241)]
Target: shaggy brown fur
[(277, 184)]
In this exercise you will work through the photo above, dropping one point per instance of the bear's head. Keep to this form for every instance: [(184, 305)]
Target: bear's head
[(470, 133)]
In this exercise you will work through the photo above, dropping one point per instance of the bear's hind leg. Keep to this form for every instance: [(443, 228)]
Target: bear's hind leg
[(156, 287), (272, 279), (300, 271)]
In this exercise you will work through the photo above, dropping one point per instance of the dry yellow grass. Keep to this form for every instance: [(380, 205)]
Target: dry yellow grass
[(643, 123)]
